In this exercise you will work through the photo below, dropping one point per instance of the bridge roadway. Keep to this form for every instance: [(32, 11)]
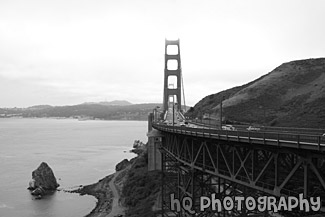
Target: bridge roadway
[(272, 138)]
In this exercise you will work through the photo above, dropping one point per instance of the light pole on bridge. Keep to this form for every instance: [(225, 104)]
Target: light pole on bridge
[(222, 99)]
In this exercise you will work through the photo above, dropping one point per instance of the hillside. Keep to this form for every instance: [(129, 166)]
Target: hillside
[(114, 102), (141, 188), (293, 94)]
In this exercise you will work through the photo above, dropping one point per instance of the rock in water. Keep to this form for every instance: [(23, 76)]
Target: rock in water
[(43, 180)]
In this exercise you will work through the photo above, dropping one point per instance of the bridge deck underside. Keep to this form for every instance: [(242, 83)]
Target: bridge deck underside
[(183, 181), (271, 170)]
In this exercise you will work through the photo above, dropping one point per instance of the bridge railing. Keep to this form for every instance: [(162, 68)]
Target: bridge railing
[(314, 142), (216, 124)]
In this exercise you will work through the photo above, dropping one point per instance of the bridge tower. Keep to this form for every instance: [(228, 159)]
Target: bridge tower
[(171, 58)]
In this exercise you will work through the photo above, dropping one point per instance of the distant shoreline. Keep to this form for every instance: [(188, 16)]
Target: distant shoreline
[(63, 118), (84, 112)]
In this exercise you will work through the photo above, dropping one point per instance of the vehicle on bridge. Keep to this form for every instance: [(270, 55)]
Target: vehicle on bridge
[(251, 128), (182, 124), (228, 127)]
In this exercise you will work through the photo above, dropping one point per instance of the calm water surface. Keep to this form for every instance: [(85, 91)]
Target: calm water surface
[(79, 152)]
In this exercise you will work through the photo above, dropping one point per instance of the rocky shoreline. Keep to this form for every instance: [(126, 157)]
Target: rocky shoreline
[(102, 192), (107, 191)]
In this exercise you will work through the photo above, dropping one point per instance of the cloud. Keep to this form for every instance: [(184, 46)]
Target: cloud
[(62, 52)]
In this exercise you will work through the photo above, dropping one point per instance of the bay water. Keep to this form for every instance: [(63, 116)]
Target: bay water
[(79, 153)]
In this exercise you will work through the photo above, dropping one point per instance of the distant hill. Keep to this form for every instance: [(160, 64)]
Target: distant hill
[(38, 107), (85, 111), (115, 102), (293, 94)]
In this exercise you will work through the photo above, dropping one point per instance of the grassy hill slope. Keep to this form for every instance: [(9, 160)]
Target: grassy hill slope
[(293, 94)]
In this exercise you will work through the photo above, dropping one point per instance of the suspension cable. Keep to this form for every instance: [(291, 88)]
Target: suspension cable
[(183, 92)]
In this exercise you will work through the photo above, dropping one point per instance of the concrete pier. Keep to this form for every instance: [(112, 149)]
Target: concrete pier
[(155, 139)]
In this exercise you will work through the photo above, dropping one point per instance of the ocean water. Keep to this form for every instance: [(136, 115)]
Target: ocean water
[(79, 153)]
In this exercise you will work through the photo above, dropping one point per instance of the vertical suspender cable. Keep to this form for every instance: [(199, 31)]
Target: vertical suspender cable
[(183, 92)]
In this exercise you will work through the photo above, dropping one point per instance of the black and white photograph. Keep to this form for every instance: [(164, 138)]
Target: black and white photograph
[(162, 108)]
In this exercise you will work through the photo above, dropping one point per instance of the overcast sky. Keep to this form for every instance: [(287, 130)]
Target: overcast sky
[(65, 52)]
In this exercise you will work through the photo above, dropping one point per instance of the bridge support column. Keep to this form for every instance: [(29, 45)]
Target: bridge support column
[(155, 139)]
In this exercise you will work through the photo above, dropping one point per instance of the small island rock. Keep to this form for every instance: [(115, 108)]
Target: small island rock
[(43, 180)]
